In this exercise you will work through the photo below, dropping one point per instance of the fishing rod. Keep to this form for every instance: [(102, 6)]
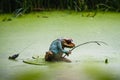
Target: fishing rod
[(13, 57), (97, 42)]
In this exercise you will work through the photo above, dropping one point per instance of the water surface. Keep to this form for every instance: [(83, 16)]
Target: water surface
[(37, 30)]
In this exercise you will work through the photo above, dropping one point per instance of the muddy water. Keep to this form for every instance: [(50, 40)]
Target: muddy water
[(37, 30)]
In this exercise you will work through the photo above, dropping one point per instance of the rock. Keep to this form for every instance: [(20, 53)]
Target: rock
[(106, 60)]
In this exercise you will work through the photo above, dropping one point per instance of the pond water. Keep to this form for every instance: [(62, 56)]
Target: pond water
[(38, 30)]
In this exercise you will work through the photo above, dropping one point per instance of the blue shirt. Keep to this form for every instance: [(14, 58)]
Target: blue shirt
[(56, 47)]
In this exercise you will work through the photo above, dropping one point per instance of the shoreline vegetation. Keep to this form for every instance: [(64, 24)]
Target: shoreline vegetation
[(27, 6)]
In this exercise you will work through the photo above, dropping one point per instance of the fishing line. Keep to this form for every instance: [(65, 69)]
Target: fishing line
[(13, 57)]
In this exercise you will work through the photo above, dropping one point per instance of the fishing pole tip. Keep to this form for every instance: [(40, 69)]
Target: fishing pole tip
[(98, 42)]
